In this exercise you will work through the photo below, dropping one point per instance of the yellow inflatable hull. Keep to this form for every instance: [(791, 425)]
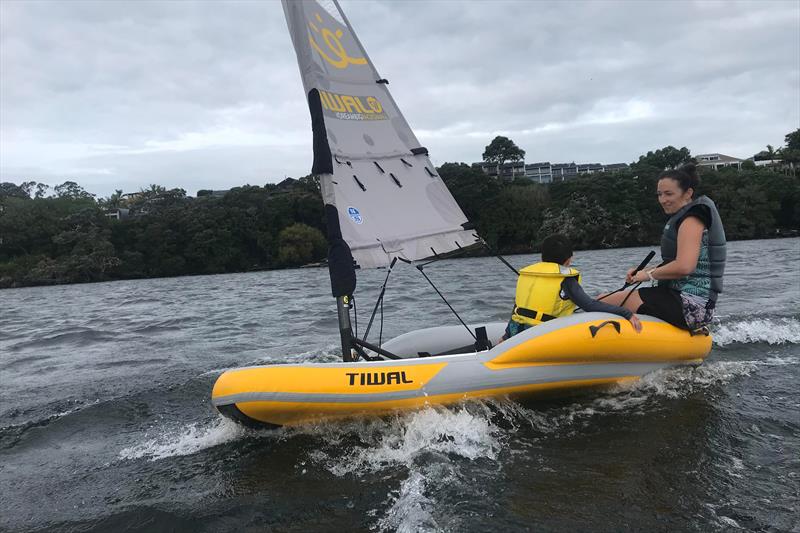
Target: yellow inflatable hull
[(584, 350)]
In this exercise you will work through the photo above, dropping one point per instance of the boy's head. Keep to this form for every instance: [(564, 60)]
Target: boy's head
[(556, 249)]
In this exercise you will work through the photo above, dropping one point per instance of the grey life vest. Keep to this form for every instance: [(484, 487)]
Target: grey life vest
[(716, 246)]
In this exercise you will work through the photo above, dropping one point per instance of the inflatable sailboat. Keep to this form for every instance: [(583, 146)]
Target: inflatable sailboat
[(384, 202)]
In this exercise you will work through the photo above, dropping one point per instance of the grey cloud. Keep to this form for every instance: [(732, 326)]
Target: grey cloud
[(208, 93)]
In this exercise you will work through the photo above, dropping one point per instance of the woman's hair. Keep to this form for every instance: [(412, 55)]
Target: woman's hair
[(556, 249), (685, 175)]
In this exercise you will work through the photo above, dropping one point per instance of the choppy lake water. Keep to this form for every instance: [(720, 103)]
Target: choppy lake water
[(106, 424)]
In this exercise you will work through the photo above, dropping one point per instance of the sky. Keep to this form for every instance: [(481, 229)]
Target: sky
[(207, 94)]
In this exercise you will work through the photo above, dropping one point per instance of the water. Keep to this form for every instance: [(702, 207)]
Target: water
[(106, 424)]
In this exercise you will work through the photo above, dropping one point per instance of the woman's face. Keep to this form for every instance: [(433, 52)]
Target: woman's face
[(671, 197)]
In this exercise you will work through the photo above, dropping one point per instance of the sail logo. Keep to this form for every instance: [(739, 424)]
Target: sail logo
[(378, 378), (355, 215), (335, 54), (351, 107)]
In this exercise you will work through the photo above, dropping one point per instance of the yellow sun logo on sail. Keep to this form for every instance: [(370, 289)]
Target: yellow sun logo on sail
[(336, 55)]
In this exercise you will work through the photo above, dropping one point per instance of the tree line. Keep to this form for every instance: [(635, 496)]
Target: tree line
[(67, 237)]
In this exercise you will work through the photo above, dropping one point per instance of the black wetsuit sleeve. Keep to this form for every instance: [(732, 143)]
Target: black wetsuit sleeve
[(700, 211), (573, 290)]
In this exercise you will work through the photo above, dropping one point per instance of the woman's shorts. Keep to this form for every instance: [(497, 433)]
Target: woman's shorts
[(663, 303)]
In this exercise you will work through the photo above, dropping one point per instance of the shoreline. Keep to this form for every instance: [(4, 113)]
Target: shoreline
[(323, 264)]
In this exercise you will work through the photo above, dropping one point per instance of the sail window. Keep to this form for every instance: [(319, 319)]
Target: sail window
[(431, 174), (396, 181), (359, 183), (379, 167), (406, 163)]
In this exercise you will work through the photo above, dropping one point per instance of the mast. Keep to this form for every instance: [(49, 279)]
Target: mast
[(341, 265), (383, 199)]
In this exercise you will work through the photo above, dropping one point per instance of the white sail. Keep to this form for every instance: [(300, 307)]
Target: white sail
[(389, 199)]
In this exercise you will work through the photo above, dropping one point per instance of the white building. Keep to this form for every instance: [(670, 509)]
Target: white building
[(718, 161)]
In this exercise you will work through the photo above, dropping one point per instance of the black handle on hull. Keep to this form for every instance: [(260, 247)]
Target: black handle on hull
[(595, 329)]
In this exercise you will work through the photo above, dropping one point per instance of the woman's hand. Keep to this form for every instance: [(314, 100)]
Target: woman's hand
[(636, 323), (639, 277)]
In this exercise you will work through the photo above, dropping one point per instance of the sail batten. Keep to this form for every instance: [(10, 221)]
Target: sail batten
[(372, 168)]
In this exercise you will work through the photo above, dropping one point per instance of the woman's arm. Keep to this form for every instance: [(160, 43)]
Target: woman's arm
[(690, 236), (575, 292)]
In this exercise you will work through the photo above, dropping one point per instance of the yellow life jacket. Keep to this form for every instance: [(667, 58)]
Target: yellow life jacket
[(538, 297)]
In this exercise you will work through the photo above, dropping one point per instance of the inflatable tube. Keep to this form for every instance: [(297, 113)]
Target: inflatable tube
[(579, 351)]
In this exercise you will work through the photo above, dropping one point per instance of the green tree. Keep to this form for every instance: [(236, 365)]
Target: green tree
[(502, 149), (11, 190), (511, 220), (112, 202), (664, 158), (300, 244), (792, 140), (156, 199), (41, 190), (767, 155), (585, 222), (471, 188), (70, 189), (791, 153)]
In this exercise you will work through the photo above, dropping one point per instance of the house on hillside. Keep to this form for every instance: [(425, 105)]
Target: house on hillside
[(212, 194), (507, 170), (590, 168), (118, 213), (718, 161), (616, 167), (539, 172), (564, 171), (546, 172), (767, 162)]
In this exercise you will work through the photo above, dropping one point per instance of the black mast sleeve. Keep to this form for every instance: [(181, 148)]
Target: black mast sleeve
[(340, 259), (323, 161)]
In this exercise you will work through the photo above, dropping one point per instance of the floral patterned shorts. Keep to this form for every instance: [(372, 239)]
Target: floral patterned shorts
[(696, 312)]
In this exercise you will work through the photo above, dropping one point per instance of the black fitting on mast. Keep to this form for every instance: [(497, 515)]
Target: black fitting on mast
[(345, 329)]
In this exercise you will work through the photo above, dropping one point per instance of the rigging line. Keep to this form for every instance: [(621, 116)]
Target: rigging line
[(500, 257), (360, 352), (355, 313), (380, 300), (626, 285), (376, 349), (629, 293), (419, 267), (452, 255), (380, 333)]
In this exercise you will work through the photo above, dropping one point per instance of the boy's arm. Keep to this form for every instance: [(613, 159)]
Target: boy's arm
[(573, 290)]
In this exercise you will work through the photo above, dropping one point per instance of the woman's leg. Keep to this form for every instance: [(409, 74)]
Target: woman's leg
[(632, 303)]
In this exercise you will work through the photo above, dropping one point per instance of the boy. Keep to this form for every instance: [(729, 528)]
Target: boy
[(551, 289)]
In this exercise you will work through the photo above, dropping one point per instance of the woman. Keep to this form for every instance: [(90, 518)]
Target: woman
[(693, 250)]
